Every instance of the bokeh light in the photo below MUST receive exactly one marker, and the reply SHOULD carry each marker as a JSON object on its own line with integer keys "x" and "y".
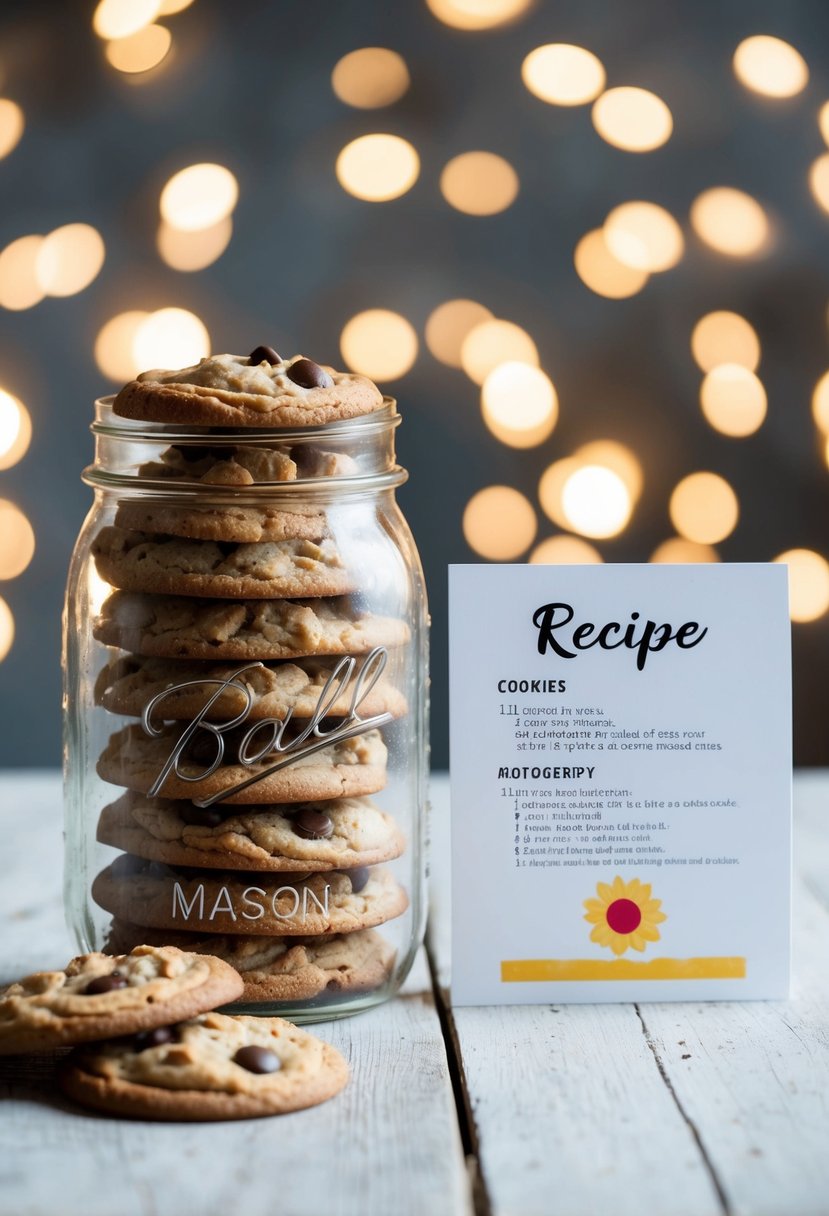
{"x": 379, "y": 343}
{"x": 601, "y": 270}
{"x": 141, "y": 51}
{"x": 15, "y": 430}
{"x": 596, "y": 501}
{"x": 733, "y": 400}
{"x": 704, "y": 508}
{"x": 808, "y": 583}
{"x": 562, "y": 74}
{"x": 69, "y": 259}
{"x": 170, "y": 338}
{"x": 115, "y": 345}
{"x": 6, "y": 629}
{"x": 610, "y": 454}
{"x": 519, "y": 404}
{"x": 823, "y": 121}
{"x": 632, "y": 119}
{"x": 194, "y": 250}
{"x": 477, "y": 14}
{"x": 770, "y": 66}
{"x": 820, "y": 403}
{"x": 377, "y": 168}
{"x": 565, "y": 551}
{"x": 479, "y": 183}
{"x": 819, "y": 180}
{"x": 449, "y": 324}
{"x": 730, "y": 221}
{"x": 677, "y": 551}
{"x": 120, "y": 18}
{"x": 17, "y": 540}
{"x": 644, "y": 236}
{"x": 725, "y": 337}
{"x": 199, "y": 196}
{"x": 499, "y": 523}
{"x": 494, "y": 342}
{"x": 370, "y": 77}
{"x": 19, "y": 284}
{"x": 551, "y": 489}
{"x": 12, "y": 124}
{"x": 168, "y": 7}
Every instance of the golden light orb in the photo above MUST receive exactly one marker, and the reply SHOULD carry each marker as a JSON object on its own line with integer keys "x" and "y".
{"x": 120, "y": 18}
{"x": 479, "y": 183}
{"x": 377, "y": 168}
{"x": 141, "y": 51}
{"x": 808, "y": 583}
{"x": 379, "y": 343}
{"x": 678, "y": 552}
{"x": 562, "y": 74}
{"x": 493, "y": 342}
{"x": 169, "y": 7}
{"x": 17, "y": 540}
{"x": 644, "y": 236}
{"x": 519, "y": 404}
{"x": 770, "y": 66}
{"x": 725, "y": 337}
{"x": 449, "y": 324}
{"x": 199, "y": 196}
{"x": 634, "y": 120}
{"x": 69, "y": 259}
{"x": 6, "y": 629}
{"x": 370, "y": 77}
{"x": 551, "y": 489}
{"x": 611, "y": 454}
{"x": 823, "y": 120}
{"x": 499, "y": 523}
{"x": 170, "y": 338}
{"x": 12, "y": 124}
{"x": 731, "y": 222}
{"x": 565, "y": 551}
{"x": 19, "y": 284}
{"x": 15, "y": 430}
{"x": 819, "y": 180}
{"x": 820, "y": 403}
{"x": 596, "y": 502}
{"x": 115, "y": 345}
{"x": 704, "y": 508}
{"x": 601, "y": 270}
{"x": 189, "y": 251}
{"x": 733, "y": 400}
{"x": 478, "y": 14}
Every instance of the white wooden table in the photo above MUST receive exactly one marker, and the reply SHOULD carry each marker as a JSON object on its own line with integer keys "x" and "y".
{"x": 661, "y": 1110}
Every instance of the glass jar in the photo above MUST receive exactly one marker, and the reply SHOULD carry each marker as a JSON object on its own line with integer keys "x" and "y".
{"x": 245, "y": 707}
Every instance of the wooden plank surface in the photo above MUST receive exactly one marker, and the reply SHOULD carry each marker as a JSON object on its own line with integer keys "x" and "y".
{"x": 389, "y": 1144}
{"x": 673, "y": 1108}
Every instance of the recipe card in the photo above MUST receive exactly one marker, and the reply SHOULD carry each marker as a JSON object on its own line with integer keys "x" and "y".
{"x": 621, "y": 782}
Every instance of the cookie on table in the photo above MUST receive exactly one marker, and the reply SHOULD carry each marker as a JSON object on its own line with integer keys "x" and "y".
{"x": 179, "y": 627}
{"x": 258, "y": 390}
{"x": 209, "y": 1067}
{"x": 164, "y": 565}
{"x": 239, "y": 465}
{"x": 283, "y": 968}
{"x": 205, "y": 901}
{"x": 98, "y": 996}
{"x": 126, "y": 684}
{"x": 349, "y": 768}
{"x": 339, "y": 834}
{"x": 229, "y": 522}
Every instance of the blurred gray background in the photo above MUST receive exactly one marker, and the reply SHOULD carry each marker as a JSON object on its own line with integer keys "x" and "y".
{"x": 249, "y": 86}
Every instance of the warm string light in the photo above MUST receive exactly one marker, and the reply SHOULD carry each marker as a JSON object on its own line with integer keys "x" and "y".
{"x": 704, "y": 508}
{"x": 6, "y": 629}
{"x": 678, "y": 551}
{"x": 494, "y": 342}
{"x": 731, "y": 222}
{"x": 17, "y": 541}
{"x": 370, "y": 78}
{"x": 378, "y": 168}
{"x": 60, "y": 264}
{"x": 499, "y": 523}
{"x": 733, "y": 400}
{"x": 808, "y": 583}
{"x": 519, "y": 404}
{"x": 479, "y": 183}
{"x": 819, "y": 181}
{"x": 198, "y": 196}
{"x": 565, "y": 551}
{"x": 594, "y": 491}
{"x": 601, "y": 271}
{"x": 632, "y": 119}
{"x": 379, "y": 343}
{"x": 15, "y": 430}
{"x": 136, "y": 341}
{"x": 141, "y": 51}
{"x": 562, "y": 74}
{"x": 725, "y": 337}
{"x": 190, "y": 251}
{"x": 644, "y": 236}
{"x": 448, "y": 326}
{"x": 121, "y": 18}
{"x": 770, "y": 66}
{"x": 478, "y": 14}
{"x": 12, "y": 124}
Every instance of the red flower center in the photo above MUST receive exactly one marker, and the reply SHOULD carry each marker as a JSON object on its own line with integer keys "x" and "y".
{"x": 624, "y": 916}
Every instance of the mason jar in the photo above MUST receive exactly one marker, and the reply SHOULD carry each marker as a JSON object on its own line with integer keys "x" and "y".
{"x": 245, "y": 707}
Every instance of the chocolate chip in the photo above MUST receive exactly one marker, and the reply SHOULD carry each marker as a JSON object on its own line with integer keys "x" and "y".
{"x": 257, "y": 1059}
{"x": 202, "y": 816}
{"x": 359, "y": 877}
{"x": 313, "y": 825}
{"x": 155, "y": 1037}
{"x": 264, "y": 354}
{"x": 308, "y": 374}
{"x": 105, "y": 983}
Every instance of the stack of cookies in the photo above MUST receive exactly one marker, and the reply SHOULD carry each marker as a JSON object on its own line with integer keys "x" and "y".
{"x": 257, "y": 689}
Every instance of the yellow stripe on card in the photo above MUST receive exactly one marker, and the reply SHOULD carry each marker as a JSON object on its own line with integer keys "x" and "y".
{"x": 556, "y": 970}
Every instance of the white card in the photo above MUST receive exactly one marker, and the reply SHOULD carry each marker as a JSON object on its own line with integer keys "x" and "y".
{"x": 621, "y": 782}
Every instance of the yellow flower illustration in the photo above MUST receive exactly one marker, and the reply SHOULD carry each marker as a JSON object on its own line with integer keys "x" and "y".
{"x": 624, "y": 916}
